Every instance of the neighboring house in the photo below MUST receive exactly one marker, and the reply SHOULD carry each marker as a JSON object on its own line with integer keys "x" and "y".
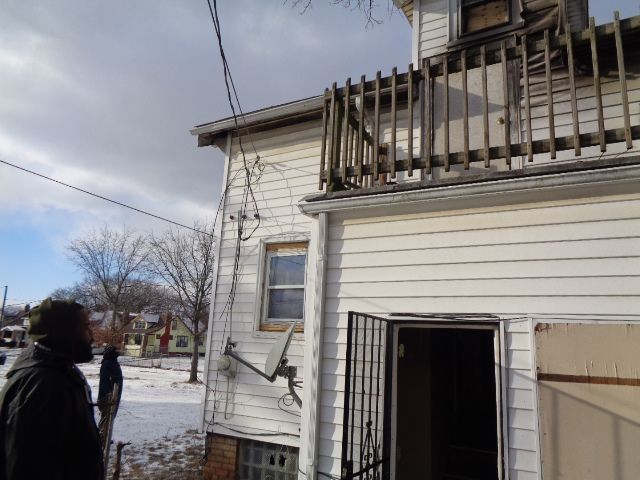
{"x": 16, "y": 335}
{"x": 103, "y": 319}
{"x": 499, "y": 181}
{"x": 135, "y": 333}
{"x": 174, "y": 337}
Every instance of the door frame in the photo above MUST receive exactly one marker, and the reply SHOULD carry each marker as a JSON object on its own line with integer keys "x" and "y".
{"x": 500, "y": 376}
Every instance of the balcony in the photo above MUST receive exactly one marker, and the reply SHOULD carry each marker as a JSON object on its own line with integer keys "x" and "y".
{"x": 522, "y": 104}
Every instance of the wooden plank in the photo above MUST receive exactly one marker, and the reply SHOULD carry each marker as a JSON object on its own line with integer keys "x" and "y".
{"x": 596, "y": 82}
{"x": 421, "y": 121}
{"x": 410, "y": 120}
{"x": 527, "y": 99}
{"x": 623, "y": 80}
{"x": 323, "y": 146}
{"x": 539, "y": 147}
{"x": 345, "y": 133}
{"x": 394, "y": 114}
{"x": 506, "y": 100}
{"x": 549, "y": 82}
{"x": 572, "y": 89}
{"x": 376, "y": 129}
{"x": 485, "y": 107}
{"x": 361, "y": 144}
{"x": 465, "y": 108}
{"x": 445, "y": 78}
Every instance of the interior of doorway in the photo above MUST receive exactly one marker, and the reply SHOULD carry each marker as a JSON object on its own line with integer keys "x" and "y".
{"x": 446, "y": 407}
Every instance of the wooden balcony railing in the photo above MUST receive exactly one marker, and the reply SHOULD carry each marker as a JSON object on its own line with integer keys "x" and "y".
{"x": 359, "y": 151}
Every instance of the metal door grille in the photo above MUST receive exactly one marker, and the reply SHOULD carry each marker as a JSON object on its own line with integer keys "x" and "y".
{"x": 365, "y": 442}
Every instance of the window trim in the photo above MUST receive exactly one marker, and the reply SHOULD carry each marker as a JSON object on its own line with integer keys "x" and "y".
{"x": 179, "y": 337}
{"x": 270, "y": 329}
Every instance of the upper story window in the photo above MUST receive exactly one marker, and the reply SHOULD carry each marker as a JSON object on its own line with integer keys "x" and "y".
{"x": 471, "y": 19}
{"x": 283, "y": 283}
{"x": 174, "y": 325}
{"x": 478, "y": 15}
{"x": 139, "y": 324}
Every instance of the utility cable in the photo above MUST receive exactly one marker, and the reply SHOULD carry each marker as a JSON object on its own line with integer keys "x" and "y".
{"x": 101, "y": 197}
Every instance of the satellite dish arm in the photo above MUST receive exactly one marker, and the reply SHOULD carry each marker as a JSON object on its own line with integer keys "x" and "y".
{"x": 229, "y": 351}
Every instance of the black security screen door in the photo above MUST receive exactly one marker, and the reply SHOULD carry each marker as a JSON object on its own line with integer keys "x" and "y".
{"x": 366, "y": 421}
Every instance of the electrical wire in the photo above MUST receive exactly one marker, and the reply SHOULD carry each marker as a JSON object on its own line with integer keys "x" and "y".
{"x": 107, "y": 199}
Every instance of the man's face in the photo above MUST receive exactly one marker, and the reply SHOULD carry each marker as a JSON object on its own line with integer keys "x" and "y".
{"x": 83, "y": 338}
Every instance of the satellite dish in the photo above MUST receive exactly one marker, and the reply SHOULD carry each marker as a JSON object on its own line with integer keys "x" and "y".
{"x": 277, "y": 353}
{"x": 276, "y": 364}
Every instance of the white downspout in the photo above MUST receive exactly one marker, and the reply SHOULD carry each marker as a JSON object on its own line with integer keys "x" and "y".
{"x": 217, "y": 232}
{"x": 312, "y": 389}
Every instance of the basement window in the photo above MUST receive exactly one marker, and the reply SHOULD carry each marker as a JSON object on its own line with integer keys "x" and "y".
{"x": 284, "y": 268}
{"x": 259, "y": 461}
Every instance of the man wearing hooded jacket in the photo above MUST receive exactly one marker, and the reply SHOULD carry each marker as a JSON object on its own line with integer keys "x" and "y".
{"x": 47, "y": 427}
{"x": 110, "y": 376}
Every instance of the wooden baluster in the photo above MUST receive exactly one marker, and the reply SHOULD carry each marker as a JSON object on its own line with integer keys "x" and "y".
{"x": 465, "y": 107}
{"x": 345, "y": 134}
{"x": 506, "y": 100}
{"x": 335, "y": 137}
{"x": 445, "y": 78}
{"x": 410, "y": 122}
{"x": 352, "y": 134}
{"x": 485, "y": 107}
{"x": 368, "y": 162}
{"x": 622, "y": 75}
{"x": 361, "y": 144}
{"x": 549, "y": 81}
{"x": 375, "y": 158}
{"x": 428, "y": 111}
{"x": 596, "y": 83}
{"x": 323, "y": 145}
{"x": 572, "y": 90}
{"x": 356, "y": 134}
{"x": 527, "y": 99}
{"x": 391, "y": 155}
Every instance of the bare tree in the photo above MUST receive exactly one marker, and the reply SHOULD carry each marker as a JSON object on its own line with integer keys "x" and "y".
{"x": 113, "y": 263}
{"x": 369, "y": 8}
{"x": 184, "y": 261}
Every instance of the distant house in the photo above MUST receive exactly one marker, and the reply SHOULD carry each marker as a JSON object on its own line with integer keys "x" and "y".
{"x": 135, "y": 333}
{"x": 175, "y": 337}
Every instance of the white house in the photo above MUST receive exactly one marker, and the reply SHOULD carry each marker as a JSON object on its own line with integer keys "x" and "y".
{"x": 460, "y": 245}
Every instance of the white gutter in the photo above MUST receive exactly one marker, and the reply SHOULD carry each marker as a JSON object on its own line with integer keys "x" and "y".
{"x": 259, "y": 116}
{"x": 473, "y": 192}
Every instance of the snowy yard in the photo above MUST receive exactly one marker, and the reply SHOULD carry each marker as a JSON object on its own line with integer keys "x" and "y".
{"x": 159, "y": 415}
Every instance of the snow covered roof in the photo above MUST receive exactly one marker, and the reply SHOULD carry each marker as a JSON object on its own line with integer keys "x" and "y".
{"x": 13, "y": 328}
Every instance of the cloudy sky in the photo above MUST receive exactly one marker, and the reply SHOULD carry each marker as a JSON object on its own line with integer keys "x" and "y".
{"x": 102, "y": 94}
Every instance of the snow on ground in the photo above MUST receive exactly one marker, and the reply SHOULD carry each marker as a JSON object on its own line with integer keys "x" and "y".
{"x": 159, "y": 414}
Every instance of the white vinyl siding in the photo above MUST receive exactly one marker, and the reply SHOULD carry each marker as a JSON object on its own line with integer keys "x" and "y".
{"x": 291, "y": 159}
{"x": 565, "y": 257}
{"x": 433, "y": 32}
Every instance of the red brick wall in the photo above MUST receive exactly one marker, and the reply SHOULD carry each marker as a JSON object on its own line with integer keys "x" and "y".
{"x": 222, "y": 456}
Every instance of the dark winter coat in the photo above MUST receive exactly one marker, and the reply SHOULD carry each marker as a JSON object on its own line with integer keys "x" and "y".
{"x": 47, "y": 428}
{"x": 110, "y": 375}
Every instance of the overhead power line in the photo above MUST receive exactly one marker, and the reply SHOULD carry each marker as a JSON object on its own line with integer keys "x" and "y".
{"x": 101, "y": 197}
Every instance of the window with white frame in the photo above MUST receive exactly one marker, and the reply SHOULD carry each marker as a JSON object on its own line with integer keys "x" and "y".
{"x": 283, "y": 285}
{"x": 182, "y": 341}
{"x": 140, "y": 325}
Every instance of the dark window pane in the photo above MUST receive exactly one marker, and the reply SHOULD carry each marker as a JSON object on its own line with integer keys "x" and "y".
{"x": 286, "y": 303}
{"x": 287, "y": 270}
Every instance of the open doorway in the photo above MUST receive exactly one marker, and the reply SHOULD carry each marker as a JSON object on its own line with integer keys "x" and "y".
{"x": 447, "y": 422}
